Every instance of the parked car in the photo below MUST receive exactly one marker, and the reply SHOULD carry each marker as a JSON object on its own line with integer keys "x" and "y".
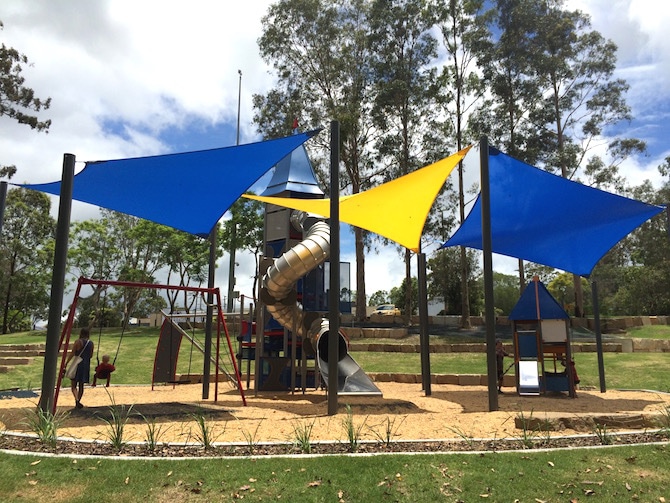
{"x": 387, "y": 310}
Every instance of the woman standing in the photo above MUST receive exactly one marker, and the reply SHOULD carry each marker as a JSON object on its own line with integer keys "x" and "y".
{"x": 82, "y": 347}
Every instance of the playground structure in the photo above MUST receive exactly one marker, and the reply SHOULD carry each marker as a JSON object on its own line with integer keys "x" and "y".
{"x": 311, "y": 329}
{"x": 170, "y": 337}
{"x": 291, "y": 348}
{"x": 543, "y": 356}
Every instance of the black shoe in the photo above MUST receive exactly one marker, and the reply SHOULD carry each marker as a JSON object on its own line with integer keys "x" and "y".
{"x": 78, "y": 405}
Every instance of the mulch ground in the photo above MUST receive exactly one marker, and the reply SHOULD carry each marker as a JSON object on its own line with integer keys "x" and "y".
{"x": 453, "y": 418}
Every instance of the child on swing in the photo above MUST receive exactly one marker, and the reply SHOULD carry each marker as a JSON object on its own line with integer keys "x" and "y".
{"x": 103, "y": 370}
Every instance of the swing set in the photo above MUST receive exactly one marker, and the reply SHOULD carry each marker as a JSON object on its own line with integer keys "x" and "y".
{"x": 64, "y": 342}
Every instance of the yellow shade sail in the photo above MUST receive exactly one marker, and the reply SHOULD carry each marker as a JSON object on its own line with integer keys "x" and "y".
{"x": 396, "y": 210}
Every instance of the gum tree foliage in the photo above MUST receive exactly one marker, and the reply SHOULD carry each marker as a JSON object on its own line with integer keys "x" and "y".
{"x": 554, "y": 85}
{"x": 247, "y": 218}
{"x": 406, "y": 91}
{"x": 26, "y": 250}
{"x": 18, "y": 101}
{"x": 398, "y": 294}
{"x": 506, "y": 61}
{"x": 321, "y": 58}
{"x": 378, "y": 298}
{"x": 120, "y": 247}
{"x": 444, "y": 279}
{"x": 186, "y": 259}
{"x": 462, "y": 25}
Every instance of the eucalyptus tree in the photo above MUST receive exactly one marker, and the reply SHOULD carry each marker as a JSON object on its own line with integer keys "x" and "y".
{"x": 444, "y": 279}
{"x": 574, "y": 68}
{"x": 463, "y": 27}
{"x": 119, "y": 247}
{"x": 506, "y": 59}
{"x": 26, "y": 250}
{"x": 406, "y": 92}
{"x": 186, "y": 257}
{"x": 244, "y": 231}
{"x": 320, "y": 54}
{"x": 18, "y": 101}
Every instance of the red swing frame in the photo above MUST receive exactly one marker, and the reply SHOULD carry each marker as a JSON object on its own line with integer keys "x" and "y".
{"x": 64, "y": 342}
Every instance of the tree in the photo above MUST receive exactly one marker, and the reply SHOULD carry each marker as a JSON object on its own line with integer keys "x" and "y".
{"x": 26, "y": 250}
{"x": 506, "y": 60}
{"x": 378, "y": 298}
{"x": 399, "y": 294}
{"x": 17, "y": 101}
{"x": 574, "y": 67}
{"x": 120, "y": 247}
{"x": 322, "y": 60}
{"x": 244, "y": 231}
{"x": 462, "y": 24}
{"x": 444, "y": 279}
{"x": 505, "y": 293}
{"x": 405, "y": 91}
{"x": 187, "y": 257}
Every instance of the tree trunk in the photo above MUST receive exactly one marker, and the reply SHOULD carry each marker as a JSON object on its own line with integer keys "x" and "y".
{"x": 361, "y": 311}
{"x": 522, "y": 277}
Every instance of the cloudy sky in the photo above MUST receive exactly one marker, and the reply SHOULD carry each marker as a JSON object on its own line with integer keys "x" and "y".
{"x": 134, "y": 78}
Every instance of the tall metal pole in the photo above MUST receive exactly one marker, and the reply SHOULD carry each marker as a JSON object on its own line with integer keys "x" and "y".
{"x": 233, "y": 235}
{"x": 489, "y": 312}
{"x": 423, "y": 323}
{"x": 206, "y": 366}
{"x": 57, "y": 286}
{"x": 599, "y": 335}
{"x": 334, "y": 294}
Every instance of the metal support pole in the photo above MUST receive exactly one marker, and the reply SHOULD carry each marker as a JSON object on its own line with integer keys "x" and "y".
{"x": 599, "y": 336}
{"x": 57, "y": 286}
{"x": 206, "y": 369}
{"x": 334, "y": 294}
{"x": 489, "y": 312}
{"x": 423, "y": 324}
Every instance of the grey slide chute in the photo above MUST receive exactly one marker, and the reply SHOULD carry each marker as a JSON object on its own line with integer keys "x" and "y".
{"x": 278, "y": 283}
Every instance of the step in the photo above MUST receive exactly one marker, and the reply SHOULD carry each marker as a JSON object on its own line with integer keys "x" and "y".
{"x": 20, "y": 353}
{"x": 15, "y": 361}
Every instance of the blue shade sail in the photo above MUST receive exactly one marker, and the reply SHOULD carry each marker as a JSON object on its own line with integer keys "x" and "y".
{"x": 548, "y": 219}
{"x": 187, "y": 191}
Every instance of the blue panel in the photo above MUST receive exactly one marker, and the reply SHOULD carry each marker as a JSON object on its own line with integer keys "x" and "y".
{"x": 527, "y": 345}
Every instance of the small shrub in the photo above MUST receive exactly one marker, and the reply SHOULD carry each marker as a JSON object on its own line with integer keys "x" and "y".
{"x": 153, "y": 433}
{"x": 601, "y": 432}
{"x": 352, "y": 431}
{"x": 204, "y": 433}
{"x": 302, "y": 436}
{"x": 45, "y": 424}
{"x": 251, "y": 438}
{"x": 387, "y": 430}
{"x": 116, "y": 424}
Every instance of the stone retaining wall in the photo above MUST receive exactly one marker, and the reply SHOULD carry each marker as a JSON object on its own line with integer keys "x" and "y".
{"x": 456, "y": 379}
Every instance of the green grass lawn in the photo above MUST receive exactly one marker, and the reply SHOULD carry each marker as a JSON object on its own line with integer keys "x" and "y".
{"x": 601, "y": 475}
{"x": 649, "y": 332}
{"x": 138, "y": 346}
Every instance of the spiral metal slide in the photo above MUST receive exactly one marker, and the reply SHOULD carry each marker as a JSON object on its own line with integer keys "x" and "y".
{"x": 278, "y": 284}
